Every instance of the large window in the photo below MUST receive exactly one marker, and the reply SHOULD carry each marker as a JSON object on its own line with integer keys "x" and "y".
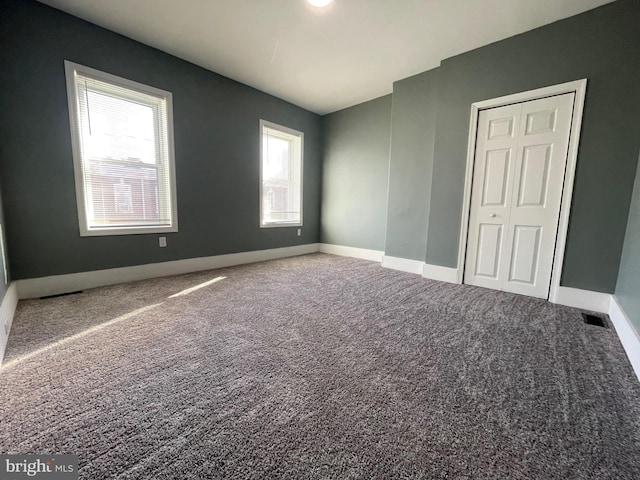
{"x": 122, "y": 134}
{"x": 280, "y": 175}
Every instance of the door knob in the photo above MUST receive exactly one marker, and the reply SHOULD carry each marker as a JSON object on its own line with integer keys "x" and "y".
{"x": 492, "y": 215}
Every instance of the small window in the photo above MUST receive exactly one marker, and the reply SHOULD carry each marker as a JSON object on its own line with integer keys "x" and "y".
{"x": 280, "y": 176}
{"x": 122, "y": 135}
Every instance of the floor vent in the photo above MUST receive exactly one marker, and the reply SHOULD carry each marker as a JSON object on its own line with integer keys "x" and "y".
{"x": 61, "y": 295}
{"x": 594, "y": 320}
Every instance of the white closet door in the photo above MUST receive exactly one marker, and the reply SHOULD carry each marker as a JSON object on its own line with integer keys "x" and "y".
{"x": 491, "y": 195}
{"x": 521, "y": 153}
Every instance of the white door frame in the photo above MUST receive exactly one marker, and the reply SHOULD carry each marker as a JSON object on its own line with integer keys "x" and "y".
{"x": 579, "y": 87}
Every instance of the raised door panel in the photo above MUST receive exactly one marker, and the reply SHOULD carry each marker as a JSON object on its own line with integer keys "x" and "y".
{"x": 489, "y": 247}
{"x": 496, "y": 177}
{"x": 524, "y": 254}
{"x": 502, "y": 127}
{"x": 534, "y": 178}
{"x": 541, "y": 120}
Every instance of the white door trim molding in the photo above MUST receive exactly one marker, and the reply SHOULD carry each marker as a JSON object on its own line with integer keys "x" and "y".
{"x": 579, "y": 88}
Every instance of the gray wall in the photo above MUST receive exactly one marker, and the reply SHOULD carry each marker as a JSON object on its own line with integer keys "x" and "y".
{"x": 413, "y": 128}
{"x": 628, "y": 288}
{"x": 216, "y": 123}
{"x": 429, "y": 135}
{"x": 600, "y": 45}
{"x": 216, "y": 130}
{"x": 356, "y": 169}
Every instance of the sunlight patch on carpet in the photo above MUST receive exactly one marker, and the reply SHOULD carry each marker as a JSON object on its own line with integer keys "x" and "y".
{"x": 197, "y": 287}
{"x": 78, "y": 336}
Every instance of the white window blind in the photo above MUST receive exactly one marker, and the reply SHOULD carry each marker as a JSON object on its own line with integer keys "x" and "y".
{"x": 281, "y": 175}
{"x": 123, "y": 154}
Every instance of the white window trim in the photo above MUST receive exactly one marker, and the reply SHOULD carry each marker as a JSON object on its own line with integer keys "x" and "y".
{"x": 4, "y": 257}
{"x": 70, "y": 70}
{"x": 297, "y": 133}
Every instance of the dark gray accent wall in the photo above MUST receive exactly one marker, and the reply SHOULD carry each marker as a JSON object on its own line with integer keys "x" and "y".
{"x": 216, "y": 125}
{"x": 628, "y": 287}
{"x": 413, "y": 130}
{"x": 356, "y": 168}
{"x": 600, "y": 45}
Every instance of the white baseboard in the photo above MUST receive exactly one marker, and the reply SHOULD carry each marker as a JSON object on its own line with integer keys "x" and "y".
{"x": 57, "y": 284}
{"x": 7, "y": 310}
{"x": 606, "y": 303}
{"x": 442, "y": 274}
{"x": 53, "y": 285}
{"x": 627, "y": 333}
{"x": 402, "y": 264}
{"x": 433, "y": 272}
{"x": 584, "y": 299}
{"x": 363, "y": 253}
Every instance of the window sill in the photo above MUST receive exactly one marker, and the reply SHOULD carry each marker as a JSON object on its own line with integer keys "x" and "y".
{"x": 276, "y": 225}
{"x": 127, "y": 231}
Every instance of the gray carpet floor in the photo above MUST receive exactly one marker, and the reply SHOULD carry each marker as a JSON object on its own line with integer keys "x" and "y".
{"x": 318, "y": 367}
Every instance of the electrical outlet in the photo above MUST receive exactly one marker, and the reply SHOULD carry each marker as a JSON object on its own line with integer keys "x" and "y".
{"x": 299, "y": 231}
{"x": 162, "y": 241}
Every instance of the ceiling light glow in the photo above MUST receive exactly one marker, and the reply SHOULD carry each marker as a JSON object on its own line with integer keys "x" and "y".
{"x": 319, "y": 3}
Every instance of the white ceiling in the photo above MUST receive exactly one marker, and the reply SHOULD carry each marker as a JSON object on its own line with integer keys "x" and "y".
{"x": 322, "y": 60}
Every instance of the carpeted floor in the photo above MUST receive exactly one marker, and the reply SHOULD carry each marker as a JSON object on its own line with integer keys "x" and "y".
{"x": 318, "y": 367}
